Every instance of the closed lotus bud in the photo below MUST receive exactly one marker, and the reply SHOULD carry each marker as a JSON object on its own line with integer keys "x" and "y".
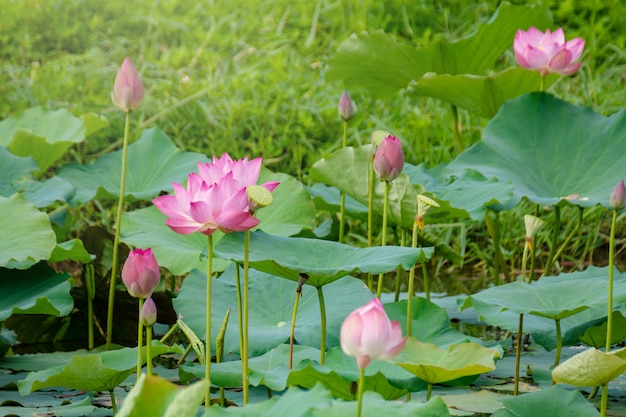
{"x": 618, "y": 196}
{"x": 128, "y": 88}
{"x": 368, "y": 334}
{"x": 346, "y": 107}
{"x": 389, "y": 159}
{"x": 141, "y": 273}
{"x": 148, "y": 314}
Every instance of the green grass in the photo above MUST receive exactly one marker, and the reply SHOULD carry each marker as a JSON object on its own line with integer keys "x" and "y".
{"x": 247, "y": 77}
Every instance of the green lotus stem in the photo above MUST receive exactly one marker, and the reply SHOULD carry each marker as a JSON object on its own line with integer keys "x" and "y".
{"x": 184, "y": 355}
{"x": 342, "y": 206}
{"x": 383, "y": 242}
{"x": 593, "y": 393}
{"x": 246, "y": 268}
{"x": 518, "y": 353}
{"x": 359, "y": 397}
{"x": 429, "y": 391}
{"x": 542, "y": 83}
{"x": 116, "y": 238}
{"x": 609, "y": 317}
{"x": 320, "y": 297}
{"x": 240, "y": 324}
{"x": 401, "y": 271}
{"x": 370, "y": 214}
{"x": 555, "y": 235}
{"x": 207, "y": 351}
{"x": 90, "y": 285}
{"x": 604, "y": 400}
{"x": 169, "y": 333}
{"x": 457, "y": 129}
{"x": 531, "y": 275}
{"x": 524, "y": 260}
{"x": 113, "y": 402}
{"x": 559, "y": 342}
{"x": 139, "y": 338}
{"x": 409, "y": 304}
{"x": 219, "y": 350}
{"x": 292, "y": 331}
{"x": 494, "y": 229}
{"x": 149, "y": 350}
{"x": 574, "y": 232}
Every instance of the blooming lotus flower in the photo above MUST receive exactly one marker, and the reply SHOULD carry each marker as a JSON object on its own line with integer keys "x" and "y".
{"x": 368, "y": 334}
{"x": 243, "y": 171}
{"x": 618, "y": 196}
{"x": 141, "y": 273}
{"x": 128, "y": 89}
{"x": 547, "y": 52}
{"x": 346, "y": 107}
{"x": 205, "y": 208}
{"x": 148, "y": 314}
{"x": 389, "y": 159}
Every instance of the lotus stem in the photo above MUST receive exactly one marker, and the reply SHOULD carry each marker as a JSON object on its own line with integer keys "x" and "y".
{"x": 90, "y": 285}
{"x": 219, "y": 351}
{"x": 149, "y": 350}
{"x": 292, "y": 332}
{"x": 609, "y": 318}
{"x": 246, "y": 298}
{"x": 116, "y": 238}
{"x": 401, "y": 271}
{"x": 320, "y": 297}
{"x": 542, "y": 84}
{"x": 604, "y": 400}
{"x": 113, "y": 402}
{"x": 359, "y": 398}
{"x": 139, "y": 338}
{"x": 207, "y": 351}
{"x": 370, "y": 214}
{"x": 383, "y": 242}
{"x": 169, "y": 333}
{"x": 429, "y": 391}
{"x": 457, "y": 129}
{"x": 494, "y": 229}
{"x": 518, "y": 352}
{"x": 559, "y": 342}
{"x": 572, "y": 234}
{"x": 555, "y": 235}
{"x": 409, "y": 304}
{"x": 342, "y": 206}
{"x": 240, "y": 324}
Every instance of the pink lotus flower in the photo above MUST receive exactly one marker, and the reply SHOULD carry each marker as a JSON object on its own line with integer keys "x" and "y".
{"x": 346, "y": 107}
{"x": 368, "y": 334}
{"x": 205, "y": 208}
{"x": 148, "y": 314}
{"x": 244, "y": 172}
{"x": 389, "y": 159}
{"x": 128, "y": 89}
{"x": 547, "y": 52}
{"x": 141, "y": 273}
{"x": 618, "y": 196}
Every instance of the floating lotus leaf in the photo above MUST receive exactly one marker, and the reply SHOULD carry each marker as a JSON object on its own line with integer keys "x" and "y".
{"x": 551, "y": 151}
{"x": 156, "y": 397}
{"x": 591, "y": 368}
{"x": 553, "y": 402}
{"x": 434, "y": 365}
{"x": 324, "y": 261}
{"x": 73, "y": 250}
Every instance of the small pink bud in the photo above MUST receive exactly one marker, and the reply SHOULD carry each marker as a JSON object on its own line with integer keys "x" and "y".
{"x": 618, "y": 196}
{"x": 128, "y": 89}
{"x": 389, "y": 159}
{"x": 346, "y": 107}
{"x": 141, "y": 273}
{"x": 368, "y": 334}
{"x": 148, "y": 313}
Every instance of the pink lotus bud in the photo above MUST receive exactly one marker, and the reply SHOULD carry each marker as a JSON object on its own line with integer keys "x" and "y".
{"x": 618, "y": 196}
{"x": 148, "y": 312}
{"x": 389, "y": 159}
{"x": 368, "y": 334}
{"x": 128, "y": 88}
{"x": 547, "y": 52}
{"x": 346, "y": 107}
{"x": 141, "y": 273}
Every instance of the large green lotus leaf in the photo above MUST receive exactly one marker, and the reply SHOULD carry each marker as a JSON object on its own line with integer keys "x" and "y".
{"x": 375, "y": 406}
{"x": 291, "y": 211}
{"x": 50, "y": 405}
{"x": 156, "y": 397}
{"x": 595, "y": 336}
{"x": 482, "y": 95}
{"x": 430, "y": 323}
{"x": 27, "y": 236}
{"x": 324, "y": 261}
{"x": 31, "y": 362}
{"x": 555, "y": 297}
{"x": 153, "y": 164}
{"x": 553, "y": 402}
{"x": 73, "y": 250}
{"x": 591, "y": 368}
{"x": 347, "y": 169}
{"x": 179, "y": 253}
{"x": 43, "y": 134}
{"x": 329, "y": 198}
{"x": 92, "y": 372}
{"x": 551, "y": 151}
{"x": 270, "y": 309}
{"x": 37, "y": 290}
{"x": 15, "y": 169}
{"x": 434, "y": 365}
{"x": 386, "y": 66}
